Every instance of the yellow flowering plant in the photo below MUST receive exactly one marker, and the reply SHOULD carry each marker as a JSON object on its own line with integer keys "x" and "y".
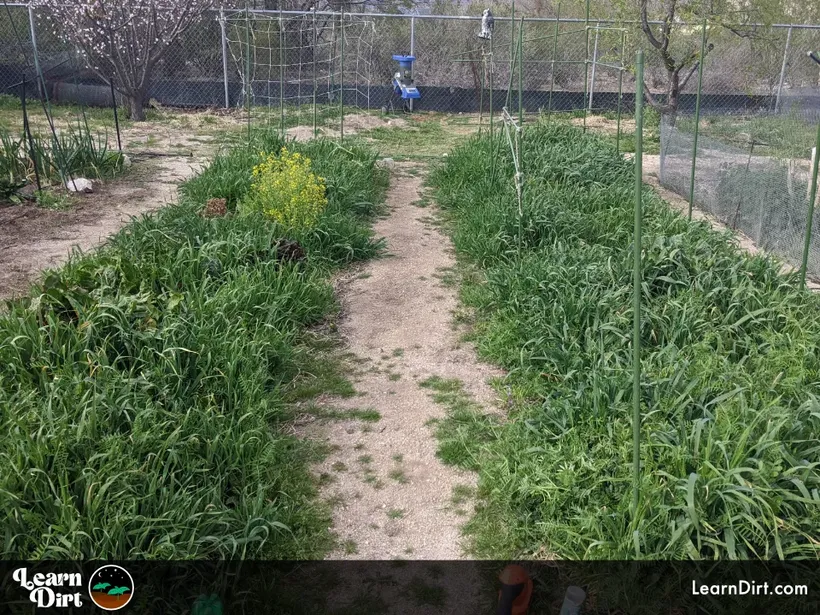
{"x": 286, "y": 190}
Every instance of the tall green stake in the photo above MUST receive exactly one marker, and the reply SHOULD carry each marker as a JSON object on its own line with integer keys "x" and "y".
{"x": 586, "y": 64}
{"x": 554, "y": 53}
{"x": 248, "y": 84}
{"x": 636, "y": 289}
{"x": 810, "y": 214}
{"x": 697, "y": 120}
{"x": 342, "y": 75}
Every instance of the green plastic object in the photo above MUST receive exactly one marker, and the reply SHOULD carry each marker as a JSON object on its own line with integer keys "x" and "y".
{"x": 207, "y": 605}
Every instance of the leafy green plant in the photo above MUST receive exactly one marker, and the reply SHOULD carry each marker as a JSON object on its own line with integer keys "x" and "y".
{"x": 730, "y": 367}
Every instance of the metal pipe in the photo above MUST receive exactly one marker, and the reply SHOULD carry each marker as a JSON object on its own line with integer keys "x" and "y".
{"x": 248, "y": 84}
{"x": 281, "y": 76}
{"x": 521, "y": 77}
{"x": 222, "y": 28}
{"x": 586, "y": 63}
{"x": 554, "y": 53}
{"x": 594, "y": 60}
{"x": 783, "y": 71}
{"x": 492, "y": 85}
{"x": 620, "y": 93}
{"x": 697, "y": 119}
{"x": 412, "y": 45}
{"x": 342, "y": 75}
{"x": 636, "y": 289}
{"x": 315, "y": 85}
{"x": 810, "y": 214}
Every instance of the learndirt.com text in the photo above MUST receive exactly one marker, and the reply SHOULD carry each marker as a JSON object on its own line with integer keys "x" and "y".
{"x": 748, "y": 588}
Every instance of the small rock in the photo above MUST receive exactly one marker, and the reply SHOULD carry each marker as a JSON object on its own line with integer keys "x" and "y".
{"x": 80, "y": 184}
{"x": 387, "y": 162}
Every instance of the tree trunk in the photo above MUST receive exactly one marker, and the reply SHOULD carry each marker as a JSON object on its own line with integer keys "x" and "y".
{"x": 136, "y": 106}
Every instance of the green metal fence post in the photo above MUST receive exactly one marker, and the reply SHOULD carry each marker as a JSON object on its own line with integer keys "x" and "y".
{"x": 810, "y": 214}
{"x": 342, "y": 74}
{"x": 636, "y": 317}
{"x": 586, "y": 64}
{"x": 554, "y": 53}
{"x": 697, "y": 120}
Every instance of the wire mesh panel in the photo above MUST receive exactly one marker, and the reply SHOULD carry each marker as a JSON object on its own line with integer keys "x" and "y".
{"x": 294, "y": 69}
{"x": 755, "y": 139}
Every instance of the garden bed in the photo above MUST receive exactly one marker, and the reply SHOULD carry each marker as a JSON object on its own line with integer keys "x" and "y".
{"x": 730, "y": 367}
{"x": 144, "y": 387}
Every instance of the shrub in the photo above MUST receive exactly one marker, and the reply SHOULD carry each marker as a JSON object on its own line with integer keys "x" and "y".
{"x": 286, "y": 190}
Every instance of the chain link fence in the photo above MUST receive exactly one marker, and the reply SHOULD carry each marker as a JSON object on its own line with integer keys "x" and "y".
{"x": 759, "y": 104}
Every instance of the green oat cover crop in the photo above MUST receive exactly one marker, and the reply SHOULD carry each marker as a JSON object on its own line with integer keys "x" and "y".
{"x": 730, "y": 366}
{"x": 142, "y": 387}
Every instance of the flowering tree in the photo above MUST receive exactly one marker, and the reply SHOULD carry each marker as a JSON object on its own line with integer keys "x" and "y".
{"x": 122, "y": 40}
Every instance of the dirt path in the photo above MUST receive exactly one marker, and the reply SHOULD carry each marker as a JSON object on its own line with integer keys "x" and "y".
{"x": 394, "y": 498}
{"x": 34, "y": 238}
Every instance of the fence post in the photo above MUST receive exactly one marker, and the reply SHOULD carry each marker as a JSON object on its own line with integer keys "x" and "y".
{"x": 636, "y": 289}
{"x": 248, "y": 84}
{"x": 315, "y": 84}
{"x": 620, "y": 92}
{"x": 783, "y": 71}
{"x": 810, "y": 214}
{"x": 554, "y": 53}
{"x": 281, "y": 74}
{"x": 224, "y": 35}
{"x": 697, "y": 120}
{"x": 594, "y": 60}
{"x": 412, "y": 45}
{"x": 586, "y": 63}
{"x": 521, "y": 76}
{"x": 342, "y": 74}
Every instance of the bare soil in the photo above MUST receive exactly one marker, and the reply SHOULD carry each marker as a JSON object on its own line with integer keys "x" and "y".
{"x": 35, "y": 239}
{"x": 393, "y": 496}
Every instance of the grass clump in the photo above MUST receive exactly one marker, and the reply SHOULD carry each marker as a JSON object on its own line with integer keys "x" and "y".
{"x": 731, "y": 367}
{"x": 142, "y": 387}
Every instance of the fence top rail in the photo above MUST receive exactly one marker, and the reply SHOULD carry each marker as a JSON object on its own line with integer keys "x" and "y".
{"x": 603, "y": 21}
{"x": 229, "y": 11}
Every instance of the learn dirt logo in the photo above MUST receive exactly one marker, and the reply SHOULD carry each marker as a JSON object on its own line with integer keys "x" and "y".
{"x": 111, "y": 587}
